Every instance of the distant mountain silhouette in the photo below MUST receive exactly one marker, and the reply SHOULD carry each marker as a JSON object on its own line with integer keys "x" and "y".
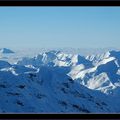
{"x": 5, "y": 50}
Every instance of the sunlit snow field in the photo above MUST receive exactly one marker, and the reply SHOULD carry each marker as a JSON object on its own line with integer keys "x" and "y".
{"x": 66, "y": 80}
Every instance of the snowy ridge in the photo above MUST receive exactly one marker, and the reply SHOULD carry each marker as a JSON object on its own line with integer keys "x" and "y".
{"x": 82, "y": 68}
{"x": 65, "y": 82}
{"x": 47, "y": 86}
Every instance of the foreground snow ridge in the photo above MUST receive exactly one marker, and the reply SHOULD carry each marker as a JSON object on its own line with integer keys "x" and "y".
{"x": 55, "y": 81}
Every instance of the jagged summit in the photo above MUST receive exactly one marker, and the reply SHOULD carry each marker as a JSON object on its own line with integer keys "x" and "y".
{"x": 5, "y": 50}
{"x": 67, "y": 82}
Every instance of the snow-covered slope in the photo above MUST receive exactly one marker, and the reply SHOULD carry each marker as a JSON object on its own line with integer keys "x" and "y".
{"x": 47, "y": 90}
{"x": 103, "y": 70}
{"x": 103, "y": 76}
{"x": 54, "y": 81}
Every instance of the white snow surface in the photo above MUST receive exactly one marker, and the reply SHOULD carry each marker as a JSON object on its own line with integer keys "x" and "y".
{"x": 66, "y": 82}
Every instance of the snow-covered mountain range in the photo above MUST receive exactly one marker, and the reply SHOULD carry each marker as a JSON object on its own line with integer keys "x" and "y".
{"x": 55, "y": 81}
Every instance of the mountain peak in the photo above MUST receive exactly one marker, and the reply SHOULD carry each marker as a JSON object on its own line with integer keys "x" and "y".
{"x": 6, "y": 50}
{"x": 113, "y": 53}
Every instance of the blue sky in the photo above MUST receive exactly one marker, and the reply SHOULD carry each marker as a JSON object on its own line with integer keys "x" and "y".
{"x": 77, "y": 27}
